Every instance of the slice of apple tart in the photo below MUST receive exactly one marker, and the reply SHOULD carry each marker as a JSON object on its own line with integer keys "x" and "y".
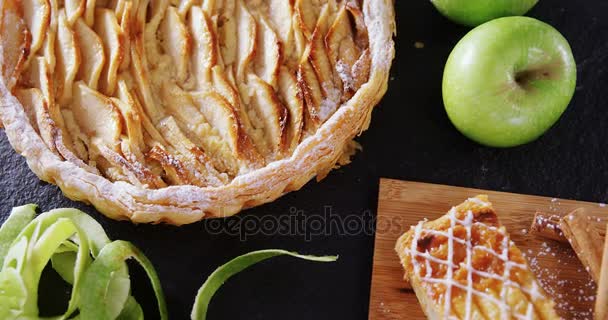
{"x": 173, "y": 111}
{"x": 464, "y": 265}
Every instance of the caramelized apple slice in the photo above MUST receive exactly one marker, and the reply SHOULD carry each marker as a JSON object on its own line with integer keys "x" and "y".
{"x": 79, "y": 141}
{"x": 16, "y": 42}
{"x": 151, "y": 133}
{"x": 91, "y": 49}
{"x": 150, "y": 18}
{"x": 176, "y": 42}
{"x": 96, "y": 114}
{"x": 108, "y": 30}
{"x": 36, "y": 108}
{"x": 175, "y": 170}
{"x": 131, "y": 118}
{"x": 201, "y": 172}
{"x": 37, "y": 14}
{"x": 222, "y": 117}
{"x": 319, "y": 59}
{"x": 37, "y": 75}
{"x": 48, "y": 45}
{"x": 246, "y": 35}
{"x": 180, "y": 105}
{"x": 89, "y": 12}
{"x": 267, "y": 55}
{"x": 226, "y": 23}
{"x": 184, "y": 6}
{"x": 342, "y": 51}
{"x": 126, "y": 20}
{"x": 307, "y": 13}
{"x": 361, "y": 36}
{"x": 269, "y": 114}
{"x": 142, "y": 81}
{"x": 290, "y": 95}
{"x": 204, "y": 51}
{"x": 134, "y": 171}
{"x": 311, "y": 92}
{"x": 73, "y": 10}
{"x": 67, "y": 60}
{"x": 361, "y": 70}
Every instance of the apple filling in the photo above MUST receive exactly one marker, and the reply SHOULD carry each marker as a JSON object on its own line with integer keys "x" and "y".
{"x": 168, "y": 92}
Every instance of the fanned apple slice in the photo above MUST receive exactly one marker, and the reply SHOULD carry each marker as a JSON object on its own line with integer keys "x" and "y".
{"x": 109, "y": 32}
{"x": 37, "y": 14}
{"x": 96, "y": 114}
{"x": 132, "y": 118}
{"x": 267, "y": 55}
{"x": 361, "y": 70}
{"x": 48, "y": 45}
{"x": 184, "y": 6}
{"x": 311, "y": 92}
{"x": 126, "y": 21}
{"x": 195, "y": 158}
{"x": 79, "y": 141}
{"x": 292, "y": 99}
{"x": 37, "y": 109}
{"x": 37, "y": 75}
{"x": 180, "y": 105}
{"x": 319, "y": 59}
{"x": 226, "y": 22}
{"x": 176, "y": 42}
{"x": 246, "y": 35}
{"x": 16, "y": 42}
{"x": 142, "y": 81}
{"x": 222, "y": 117}
{"x": 73, "y": 10}
{"x": 134, "y": 172}
{"x": 361, "y": 35}
{"x": 280, "y": 15}
{"x": 204, "y": 48}
{"x": 89, "y": 12}
{"x": 175, "y": 170}
{"x": 320, "y": 105}
{"x": 67, "y": 60}
{"x": 270, "y": 115}
{"x": 91, "y": 49}
{"x": 342, "y": 51}
{"x": 155, "y": 11}
{"x": 307, "y": 13}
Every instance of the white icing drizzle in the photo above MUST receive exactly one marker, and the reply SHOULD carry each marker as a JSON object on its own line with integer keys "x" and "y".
{"x": 468, "y": 223}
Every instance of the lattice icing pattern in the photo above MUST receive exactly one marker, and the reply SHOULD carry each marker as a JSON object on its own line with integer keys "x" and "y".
{"x": 468, "y": 268}
{"x": 197, "y": 92}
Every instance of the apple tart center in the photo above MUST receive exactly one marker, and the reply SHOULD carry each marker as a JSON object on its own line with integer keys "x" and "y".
{"x": 169, "y": 92}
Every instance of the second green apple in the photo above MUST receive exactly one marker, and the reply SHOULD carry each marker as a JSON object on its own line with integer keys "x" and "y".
{"x": 508, "y": 81}
{"x": 475, "y": 12}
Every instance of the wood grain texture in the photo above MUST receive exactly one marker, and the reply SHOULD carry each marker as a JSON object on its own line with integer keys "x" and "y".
{"x": 402, "y": 204}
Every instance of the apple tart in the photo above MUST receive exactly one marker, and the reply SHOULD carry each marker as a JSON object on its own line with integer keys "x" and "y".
{"x": 178, "y": 110}
{"x": 465, "y": 266}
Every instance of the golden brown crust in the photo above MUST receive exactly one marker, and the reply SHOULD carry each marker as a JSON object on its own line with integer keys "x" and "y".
{"x": 313, "y": 156}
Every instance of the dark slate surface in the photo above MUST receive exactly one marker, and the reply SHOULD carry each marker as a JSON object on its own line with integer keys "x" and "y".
{"x": 410, "y": 138}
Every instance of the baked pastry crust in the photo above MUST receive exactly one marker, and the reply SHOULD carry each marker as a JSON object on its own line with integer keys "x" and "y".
{"x": 175, "y": 198}
{"x": 464, "y": 266}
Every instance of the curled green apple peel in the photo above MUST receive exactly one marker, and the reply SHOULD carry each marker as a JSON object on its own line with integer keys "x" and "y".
{"x": 508, "y": 81}
{"x": 82, "y": 254}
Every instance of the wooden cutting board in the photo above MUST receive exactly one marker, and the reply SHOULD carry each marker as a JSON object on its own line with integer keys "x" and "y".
{"x": 403, "y": 203}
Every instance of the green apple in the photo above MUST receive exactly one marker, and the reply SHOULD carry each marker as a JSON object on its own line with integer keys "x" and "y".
{"x": 508, "y": 81}
{"x": 475, "y": 12}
